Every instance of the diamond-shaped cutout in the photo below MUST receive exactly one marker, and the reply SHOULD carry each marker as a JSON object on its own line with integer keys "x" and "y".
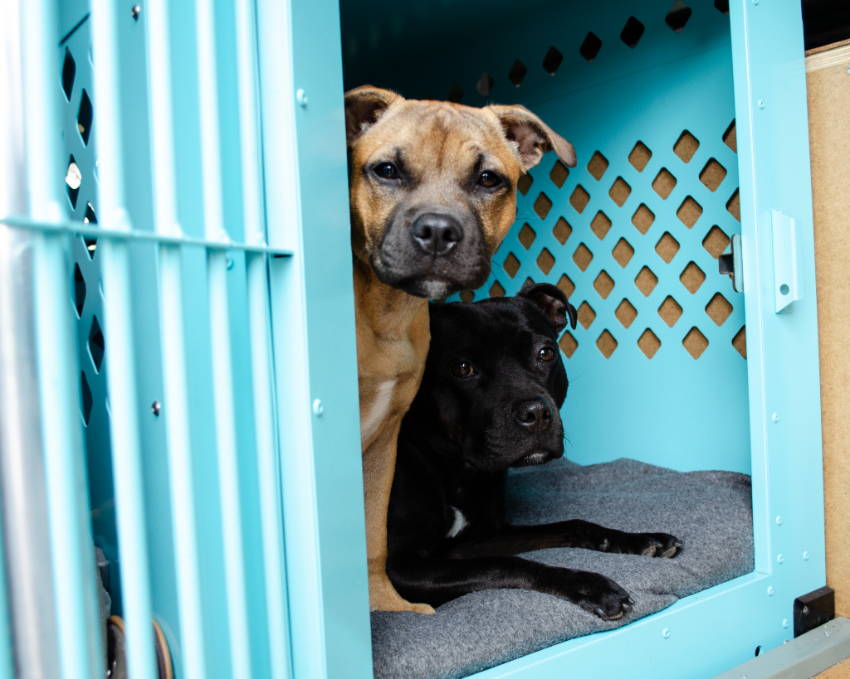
{"x": 542, "y": 205}
{"x": 739, "y": 341}
{"x": 639, "y": 156}
{"x": 667, "y": 247}
{"x": 600, "y": 225}
{"x": 692, "y": 277}
{"x": 526, "y": 236}
{"x": 559, "y": 174}
{"x": 730, "y": 137}
{"x": 511, "y": 265}
{"x": 689, "y": 212}
{"x": 734, "y": 206}
{"x": 568, "y": 344}
{"x": 649, "y": 343}
{"x": 579, "y": 198}
{"x": 646, "y": 281}
{"x": 643, "y": 218}
{"x": 84, "y": 117}
{"x": 604, "y": 284}
{"x": 586, "y": 315}
{"x": 625, "y": 313}
{"x": 620, "y": 191}
{"x": 96, "y": 344}
{"x": 718, "y": 309}
{"x": 73, "y": 181}
{"x": 467, "y": 295}
{"x": 484, "y": 85}
{"x": 524, "y": 183}
{"x": 670, "y": 311}
{"x": 715, "y": 242}
{"x": 590, "y": 46}
{"x": 69, "y": 72}
{"x": 632, "y": 32}
{"x": 582, "y": 257}
{"x": 664, "y": 183}
{"x": 623, "y": 252}
{"x": 597, "y": 165}
{"x": 545, "y": 261}
{"x": 678, "y": 15}
{"x": 712, "y": 174}
{"x": 517, "y": 73}
{"x": 566, "y": 285}
{"x": 86, "y": 400}
{"x": 686, "y": 146}
{"x": 496, "y": 290}
{"x": 552, "y": 60}
{"x": 606, "y": 344}
{"x": 695, "y": 342}
{"x": 455, "y": 93}
{"x": 79, "y": 290}
{"x": 562, "y": 230}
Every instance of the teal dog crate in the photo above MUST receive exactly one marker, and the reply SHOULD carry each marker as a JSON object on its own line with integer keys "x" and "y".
{"x": 179, "y": 441}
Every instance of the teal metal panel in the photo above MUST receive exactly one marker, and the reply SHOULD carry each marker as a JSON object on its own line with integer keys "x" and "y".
{"x": 7, "y": 642}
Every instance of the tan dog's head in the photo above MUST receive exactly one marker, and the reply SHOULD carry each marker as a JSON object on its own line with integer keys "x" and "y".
{"x": 433, "y": 185}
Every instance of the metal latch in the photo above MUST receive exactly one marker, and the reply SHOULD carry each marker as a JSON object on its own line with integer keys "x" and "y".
{"x": 731, "y": 263}
{"x": 786, "y": 286}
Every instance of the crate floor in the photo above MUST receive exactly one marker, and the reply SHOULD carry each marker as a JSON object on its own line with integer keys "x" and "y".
{"x": 709, "y": 510}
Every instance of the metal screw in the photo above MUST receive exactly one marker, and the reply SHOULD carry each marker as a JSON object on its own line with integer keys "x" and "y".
{"x": 770, "y": 590}
{"x": 805, "y": 610}
{"x": 155, "y": 408}
{"x": 778, "y": 520}
{"x": 301, "y": 97}
{"x": 785, "y": 623}
{"x": 761, "y": 103}
{"x": 665, "y": 633}
{"x": 136, "y": 11}
{"x": 805, "y": 555}
{"x": 755, "y": 2}
{"x": 774, "y": 417}
{"x": 779, "y": 558}
{"x": 318, "y": 408}
{"x": 228, "y": 262}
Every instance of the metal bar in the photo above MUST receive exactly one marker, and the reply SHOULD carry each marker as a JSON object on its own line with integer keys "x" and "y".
{"x": 70, "y": 531}
{"x": 158, "y": 37}
{"x": 79, "y": 228}
{"x": 120, "y": 349}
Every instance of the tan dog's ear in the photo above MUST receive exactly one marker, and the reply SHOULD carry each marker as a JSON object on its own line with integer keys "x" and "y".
{"x": 532, "y": 136}
{"x": 363, "y": 106}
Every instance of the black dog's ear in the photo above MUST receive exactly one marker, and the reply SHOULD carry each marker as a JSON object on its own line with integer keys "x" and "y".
{"x": 553, "y": 302}
{"x": 363, "y": 106}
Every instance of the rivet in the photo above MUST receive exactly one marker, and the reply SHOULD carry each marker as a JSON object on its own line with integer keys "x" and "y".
{"x": 318, "y": 407}
{"x": 755, "y": 2}
{"x": 770, "y": 590}
{"x": 805, "y": 555}
{"x": 155, "y": 408}
{"x": 826, "y": 632}
{"x": 805, "y": 610}
{"x": 301, "y": 97}
{"x": 229, "y": 263}
{"x": 780, "y": 558}
{"x": 785, "y": 623}
{"x": 136, "y": 11}
{"x": 665, "y": 633}
{"x": 778, "y": 520}
{"x": 774, "y": 417}
{"x": 761, "y": 103}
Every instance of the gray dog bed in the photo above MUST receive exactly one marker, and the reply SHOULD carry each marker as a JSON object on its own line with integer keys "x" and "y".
{"x": 709, "y": 510}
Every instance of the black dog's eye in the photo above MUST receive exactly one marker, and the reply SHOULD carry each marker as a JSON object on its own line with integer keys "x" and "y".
{"x": 489, "y": 179}
{"x": 463, "y": 369}
{"x": 386, "y": 171}
{"x": 546, "y": 354}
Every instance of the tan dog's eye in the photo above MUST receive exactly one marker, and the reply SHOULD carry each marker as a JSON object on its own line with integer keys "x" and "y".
{"x": 463, "y": 369}
{"x": 386, "y": 171}
{"x": 546, "y": 354}
{"x": 489, "y": 179}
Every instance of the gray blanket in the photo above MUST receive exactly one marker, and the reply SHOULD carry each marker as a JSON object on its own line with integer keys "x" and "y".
{"x": 709, "y": 510}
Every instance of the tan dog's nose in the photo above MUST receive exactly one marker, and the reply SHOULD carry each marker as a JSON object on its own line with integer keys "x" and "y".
{"x": 436, "y": 234}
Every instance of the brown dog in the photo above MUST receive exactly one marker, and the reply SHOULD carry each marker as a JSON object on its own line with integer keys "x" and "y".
{"x": 433, "y": 193}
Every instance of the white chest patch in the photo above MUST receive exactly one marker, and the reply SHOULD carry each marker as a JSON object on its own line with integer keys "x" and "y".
{"x": 458, "y": 524}
{"x": 378, "y": 411}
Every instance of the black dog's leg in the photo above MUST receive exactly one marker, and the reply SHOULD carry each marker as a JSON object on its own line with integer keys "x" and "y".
{"x": 574, "y": 533}
{"x": 436, "y": 580}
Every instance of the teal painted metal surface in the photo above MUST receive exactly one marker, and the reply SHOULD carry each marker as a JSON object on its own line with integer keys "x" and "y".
{"x": 7, "y": 660}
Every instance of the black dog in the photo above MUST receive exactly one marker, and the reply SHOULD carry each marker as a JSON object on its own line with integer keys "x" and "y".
{"x": 490, "y": 398}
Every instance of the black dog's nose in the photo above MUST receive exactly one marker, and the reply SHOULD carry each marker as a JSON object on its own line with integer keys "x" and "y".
{"x": 436, "y": 234}
{"x": 533, "y": 415}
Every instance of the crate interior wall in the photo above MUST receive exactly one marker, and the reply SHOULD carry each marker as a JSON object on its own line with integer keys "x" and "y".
{"x": 201, "y": 176}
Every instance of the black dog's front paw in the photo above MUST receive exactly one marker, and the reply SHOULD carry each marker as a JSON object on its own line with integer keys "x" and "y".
{"x": 657, "y": 544}
{"x": 593, "y": 592}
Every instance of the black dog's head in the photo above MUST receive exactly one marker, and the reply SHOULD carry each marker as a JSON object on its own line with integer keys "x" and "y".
{"x": 494, "y": 380}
